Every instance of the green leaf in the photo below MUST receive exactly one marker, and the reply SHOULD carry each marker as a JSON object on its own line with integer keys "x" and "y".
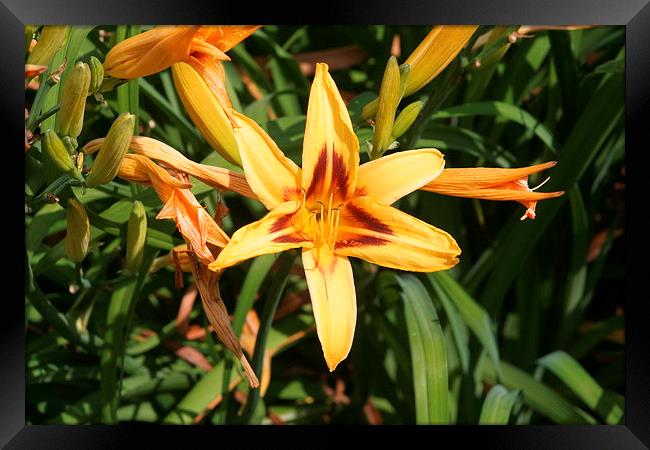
{"x": 537, "y": 395}
{"x": 582, "y": 345}
{"x": 172, "y": 112}
{"x": 255, "y": 275}
{"x": 118, "y": 320}
{"x": 518, "y": 240}
{"x": 446, "y": 137}
{"x": 476, "y": 318}
{"x": 428, "y": 353}
{"x": 584, "y": 386}
{"x": 199, "y": 397}
{"x": 497, "y": 406}
{"x": 505, "y": 110}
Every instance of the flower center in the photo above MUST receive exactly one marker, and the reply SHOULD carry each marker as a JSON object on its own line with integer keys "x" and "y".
{"x": 321, "y": 221}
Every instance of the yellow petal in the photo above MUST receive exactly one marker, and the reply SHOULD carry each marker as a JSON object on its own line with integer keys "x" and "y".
{"x": 271, "y": 175}
{"x": 389, "y": 178}
{"x": 149, "y": 52}
{"x": 225, "y": 37}
{"x": 213, "y": 73}
{"x": 273, "y": 233}
{"x": 205, "y": 111}
{"x": 333, "y": 299}
{"x": 330, "y": 155}
{"x": 391, "y": 238}
{"x": 435, "y": 53}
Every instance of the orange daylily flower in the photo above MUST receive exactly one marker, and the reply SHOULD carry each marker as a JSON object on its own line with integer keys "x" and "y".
{"x": 194, "y": 223}
{"x": 493, "y": 184}
{"x": 195, "y": 54}
{"x": 199, "y": 231}
{"x": 333, "y": 208}
{"x": 159, "y": 48}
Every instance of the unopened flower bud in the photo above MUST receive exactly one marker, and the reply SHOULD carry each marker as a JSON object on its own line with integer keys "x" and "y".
{"x": 73, "y": 100}
{"x": 206, "y": 111}
{"x": 29, "y": 36}
{"x": 113, "y": 150}
{"x": 390, "y": 95}
{"x": 78, "y": 232}
{"x": 55, "y": 150}
{"x": 406, "y": 118}
{"x": 136, "y": 235}
{"x": 96, "y": 75}
{"x": 50, "y": 41}
{"x": 435, "y": 52}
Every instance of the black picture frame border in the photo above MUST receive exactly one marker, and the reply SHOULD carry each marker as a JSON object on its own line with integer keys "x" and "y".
{"x": 634, "y": 14}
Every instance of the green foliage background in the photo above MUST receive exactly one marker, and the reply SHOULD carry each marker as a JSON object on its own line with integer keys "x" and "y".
{"x": 527, "y": 329}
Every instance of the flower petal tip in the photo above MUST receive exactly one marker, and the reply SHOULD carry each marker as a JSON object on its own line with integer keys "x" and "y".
{"x": 332, "y": 363}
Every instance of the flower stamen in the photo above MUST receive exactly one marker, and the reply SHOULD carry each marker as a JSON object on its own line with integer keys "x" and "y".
{"x": 541, "y": 184}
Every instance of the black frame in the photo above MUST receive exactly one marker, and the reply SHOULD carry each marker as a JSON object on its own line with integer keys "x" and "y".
{"x": 634, "y": 14}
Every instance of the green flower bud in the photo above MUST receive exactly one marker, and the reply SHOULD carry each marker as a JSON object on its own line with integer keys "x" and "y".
{"x": 406, "y": 118}
{"x": 96, "y": 75}
{"x": 29, "y": 35}
{"x": 50, "y": 41}
{"x": 370, "y": 109}
{"x": 136, "y": 235}
{"x": 55, "y": 150}
{"x": 113, "y": 150}
{"x": 78, "y": 232}
{"x": 390, "y": 95}
{"x": 73, "y": 100}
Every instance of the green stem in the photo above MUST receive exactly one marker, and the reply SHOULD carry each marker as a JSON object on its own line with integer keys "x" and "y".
{"x": 441, "y": 92}
{"x": 118, "y": 319}
{"x": 54, "y": 317}
{"x": 37, "y": 104}
{"x": 270, "y": 306}
{"x": 256, "y": 275}
{"x": 54, "y": 188}
{"x": 44, "y": 116}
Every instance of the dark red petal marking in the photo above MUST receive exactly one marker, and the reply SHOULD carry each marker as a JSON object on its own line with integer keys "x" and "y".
{"x": 359, "y": 218}
{"x": 338, "y": 183}
{"x": 366, "y": 220}
{"x": 359, "y": 240}
{"x": 289, "y": 239}
{"x": 283, "y": 223}
{"x": 340, "y": 175}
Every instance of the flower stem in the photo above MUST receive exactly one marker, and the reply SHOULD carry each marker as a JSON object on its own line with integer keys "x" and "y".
{"x": 441, "y": 92}
{"x": 285, "y": 262}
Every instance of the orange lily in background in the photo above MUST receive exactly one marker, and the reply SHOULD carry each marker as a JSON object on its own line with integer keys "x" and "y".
{"x": 199, "y": 230}
{"x": 195, "y": 54}
{"x": 333, "y": 208}
{"x": 202, "y": 47}
{"x": 434, "y": 53}
{"x": 216, "y": 177}
{"x": 493, "y": 184}
{"x": 194, "y": 223}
